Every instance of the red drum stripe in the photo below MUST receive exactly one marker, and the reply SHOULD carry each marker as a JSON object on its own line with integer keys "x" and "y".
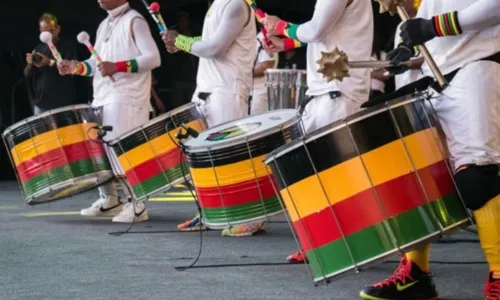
{"x": 154, "y": 166}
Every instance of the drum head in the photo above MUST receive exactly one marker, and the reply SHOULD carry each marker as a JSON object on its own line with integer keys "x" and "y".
{"x": 245, "y": 129}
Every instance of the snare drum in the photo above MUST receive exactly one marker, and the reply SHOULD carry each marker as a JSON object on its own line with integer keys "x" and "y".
{"x": 286, "y": 88}
{"x": 368, "y": 187}
{"x": 54, "y": 154}
{"x": 149, "y": 155}
{"x": 227, "y": 168}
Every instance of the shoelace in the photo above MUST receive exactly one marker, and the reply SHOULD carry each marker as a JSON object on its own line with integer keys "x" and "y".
{"x": 401, "y": 273}
{"x": 492, "y": 290}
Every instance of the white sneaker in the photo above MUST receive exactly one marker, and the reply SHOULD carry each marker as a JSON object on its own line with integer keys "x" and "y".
{"x": 128, "y": 215}
{"x": 104, "y": 207}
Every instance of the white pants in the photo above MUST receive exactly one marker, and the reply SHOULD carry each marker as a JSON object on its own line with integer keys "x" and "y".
{"x": 323, "y": 110}
{"x": 222, "y": 107}
{"x": 259, "y": 101}
{"x": 123, "y": 118}
{"x": 469, "y": 112}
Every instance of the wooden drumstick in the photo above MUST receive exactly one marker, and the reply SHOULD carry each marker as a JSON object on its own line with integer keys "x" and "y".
{"x": 336, "y": 65}
{"x": 397, "y": 7}
{"x": 84, "y": 38}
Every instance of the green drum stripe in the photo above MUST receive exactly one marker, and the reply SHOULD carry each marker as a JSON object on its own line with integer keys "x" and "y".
{"x": 376, "y": 240}
{"x": 239, "y": 213}
{"x": 159, "y": 181}
{"x": 72, "y": 170}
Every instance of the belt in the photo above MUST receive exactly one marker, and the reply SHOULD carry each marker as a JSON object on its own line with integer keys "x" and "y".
{"x": 303, "y": 104}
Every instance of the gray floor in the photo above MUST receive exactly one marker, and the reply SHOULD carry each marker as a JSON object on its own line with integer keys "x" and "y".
{"x": 71, "y": 257}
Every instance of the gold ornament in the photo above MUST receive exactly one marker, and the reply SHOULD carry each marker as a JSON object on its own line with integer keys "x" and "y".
{"x": 390, "y": 6}
{"x": 333, "y": 65}
{"x": 416, "y": 4}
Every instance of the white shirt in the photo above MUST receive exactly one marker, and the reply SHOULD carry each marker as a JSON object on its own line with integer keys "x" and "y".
{"x": 262, "y": 57}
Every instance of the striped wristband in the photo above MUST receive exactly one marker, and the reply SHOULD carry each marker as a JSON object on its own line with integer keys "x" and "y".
{"x": 82, "y": 69}
{"x": 447, "y": 24}
{"x": 129, "y": 66}
{"x": 185, "y": 43}
{"x": 290, "y": 43}
{"x": 287, "y": 29}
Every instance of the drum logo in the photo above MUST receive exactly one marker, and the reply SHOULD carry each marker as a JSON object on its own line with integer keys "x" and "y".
{"x": 232, "y": 132}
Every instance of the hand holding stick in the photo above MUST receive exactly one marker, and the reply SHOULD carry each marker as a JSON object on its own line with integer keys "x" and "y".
{"x": 84, "y": 38}
{"x": 46, "y": 37}
{"x": 260, "y": 15}
{"x": 397, "y": 6}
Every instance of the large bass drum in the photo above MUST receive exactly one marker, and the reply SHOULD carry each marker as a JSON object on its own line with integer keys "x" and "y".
{"x": 286, "y": 88}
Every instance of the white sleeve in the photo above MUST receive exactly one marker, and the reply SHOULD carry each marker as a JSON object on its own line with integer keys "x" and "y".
{"x": 480, "y": 15}
{"x": 326, "y": 14}
{"x": 92, "y": 62}
{"x": 149, "y": 57}
{"x": 234, "y": 18}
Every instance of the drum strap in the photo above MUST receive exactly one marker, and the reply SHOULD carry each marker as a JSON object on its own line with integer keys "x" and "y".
{"x": 303, "y": 104}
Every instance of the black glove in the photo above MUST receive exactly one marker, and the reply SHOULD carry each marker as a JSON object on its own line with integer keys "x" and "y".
{"x": 400, "y": 54}
{"x": 417, "y": 31}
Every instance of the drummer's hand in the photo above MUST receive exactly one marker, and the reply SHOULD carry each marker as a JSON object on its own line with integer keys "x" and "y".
{"x": 107, "y": 68}
{"x": 271, "y": 24}
{"x": 401, "y": 54}
{"x": 168, "y": 38}
{"x": 275, "y": 45}
{"x": 66, "y": 67}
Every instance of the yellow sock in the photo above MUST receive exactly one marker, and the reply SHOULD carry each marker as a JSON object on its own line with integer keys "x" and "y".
{"x": 488, "y": 228}
{"x": 420, "y": 257}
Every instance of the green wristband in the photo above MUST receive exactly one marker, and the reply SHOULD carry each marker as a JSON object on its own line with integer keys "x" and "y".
{"x": 185, "y": 43}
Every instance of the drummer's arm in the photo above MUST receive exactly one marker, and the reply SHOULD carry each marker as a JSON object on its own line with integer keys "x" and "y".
{"x": 324, "y": 18}
{"x": 86, "y": 68}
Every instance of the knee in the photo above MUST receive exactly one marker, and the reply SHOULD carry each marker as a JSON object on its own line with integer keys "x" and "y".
{"x": 478, "y": 184}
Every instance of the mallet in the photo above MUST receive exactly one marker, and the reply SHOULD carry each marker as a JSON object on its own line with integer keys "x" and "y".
{"x": 84, "y": 38}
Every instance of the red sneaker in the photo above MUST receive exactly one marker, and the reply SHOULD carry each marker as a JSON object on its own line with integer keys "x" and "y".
{"x": 296, "y": 258}
{"x": 492, "y": 289}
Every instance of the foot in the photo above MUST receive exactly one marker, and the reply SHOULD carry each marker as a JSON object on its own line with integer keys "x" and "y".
{"x": 245, "y": 230}
{"x": 492, "y": 289}
{"x": 108, "y": 206}
{"x": 408, "y": 282}
{"x": 195, "y": 224}
{"x": 296, "y": 258}
{"x": 132, "y": 213}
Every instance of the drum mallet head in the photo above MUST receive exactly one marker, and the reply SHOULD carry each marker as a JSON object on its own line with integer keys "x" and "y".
{"x": 333, "y": 65}
{"x": 390, "y": 6}
{"x": 46, "y": 37}
{"x": 83, "y": 37}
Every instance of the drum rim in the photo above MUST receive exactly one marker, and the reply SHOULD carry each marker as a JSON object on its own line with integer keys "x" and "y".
{"x": 241, "y": 140}
{"x": 359, "y": 116}
{"x": 153, "y": 121}
{"x": 303, "y": 71}
{"x": 43, "y": 115}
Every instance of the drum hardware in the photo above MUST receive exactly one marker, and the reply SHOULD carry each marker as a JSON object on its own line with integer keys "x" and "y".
{"x": 286, "y": 88}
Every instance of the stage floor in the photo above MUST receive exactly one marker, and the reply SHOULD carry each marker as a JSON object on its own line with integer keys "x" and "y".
{"x": 51, "y": 252}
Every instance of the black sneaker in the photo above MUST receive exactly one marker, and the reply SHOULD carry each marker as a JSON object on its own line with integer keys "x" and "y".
{"x": 408, "y": 282}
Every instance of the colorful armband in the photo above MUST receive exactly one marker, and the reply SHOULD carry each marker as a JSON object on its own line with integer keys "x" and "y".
{"x": 129, "y": 66}
{"x": 82, "y": 69}
{"x": 290, "y": 43}
{"x": 447, "y": 24}
{"x": 185, "y": 43}
{"x": 287, "y": 29}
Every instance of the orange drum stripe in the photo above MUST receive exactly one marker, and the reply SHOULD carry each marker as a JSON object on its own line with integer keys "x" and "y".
{"x": 230, "y": 174}
{"x": 350, "y": 178}
{"x": 155, "y": 147}
{"x": 51, "y": 140}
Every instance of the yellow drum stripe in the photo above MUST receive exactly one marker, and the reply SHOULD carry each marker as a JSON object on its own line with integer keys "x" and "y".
{"x": 350, "y": 178}
{"x": 51, "y": 140}
{"x": 230, "y": 174}
{"x": 158, "y": 146}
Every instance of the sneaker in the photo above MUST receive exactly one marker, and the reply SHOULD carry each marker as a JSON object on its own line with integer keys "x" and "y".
{"x": 408, "y": 282}
{"x": 296, "y": 258}
{"x": 492, "y": 289}
{"x": 195, "y": 224}
{"x": 108, "y": 206}
{"x": 244, "y": 230}
{"x": 132, "y": 213}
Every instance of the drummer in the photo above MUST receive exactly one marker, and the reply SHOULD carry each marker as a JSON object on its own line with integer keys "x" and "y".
{"x": 347, "y": 25}
{"x": 226, "y": 50}
{"x": 123, "y": 101}
{"x": 464, "y": 39}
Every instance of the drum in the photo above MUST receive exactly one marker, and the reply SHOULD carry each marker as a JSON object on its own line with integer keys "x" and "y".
{"x": 55, "y": 154}
{"x": 149, "y": 155}
{"x": 367, "y": 187}
{"x": 227, "y": 168}
{"x": 286, "y": 88}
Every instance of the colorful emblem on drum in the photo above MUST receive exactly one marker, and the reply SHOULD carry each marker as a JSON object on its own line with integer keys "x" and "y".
{"x": 232, "y": 132}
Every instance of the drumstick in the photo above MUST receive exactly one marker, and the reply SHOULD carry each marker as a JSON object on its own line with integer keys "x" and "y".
{"x": 260, "y": 15}
{"x": 154, "y": 11}
{"x": 46, "y": 37}
{"x": 84, "y": 38}
{"x": 336, "y": 64}
{"x": 397, "y": 6}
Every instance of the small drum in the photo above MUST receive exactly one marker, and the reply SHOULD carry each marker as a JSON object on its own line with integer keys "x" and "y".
{"x": 55, "y": 154}
{"x": 149, "y": 155}
{"x": 227, "y": 168}
{"x": 365, "y": 188}
{"x": 286, "y": 88}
